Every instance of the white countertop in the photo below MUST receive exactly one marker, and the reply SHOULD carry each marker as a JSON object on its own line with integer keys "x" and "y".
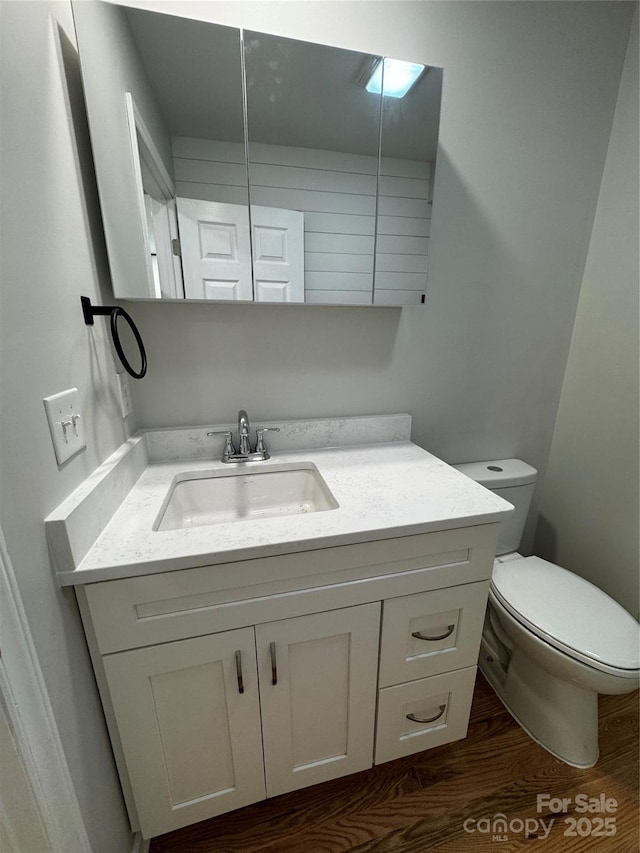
{"x": 383, "y": 491}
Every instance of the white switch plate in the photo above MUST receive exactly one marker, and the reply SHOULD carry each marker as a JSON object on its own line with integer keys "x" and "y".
{"x": 66, "y": 423}
{"x": 124, "y": 390}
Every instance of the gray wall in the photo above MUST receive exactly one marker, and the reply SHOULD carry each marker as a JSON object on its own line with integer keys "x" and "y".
{"x": 50, "y": 256}
{"x": 589, "y": 511}
{"x": 528, "y": 100}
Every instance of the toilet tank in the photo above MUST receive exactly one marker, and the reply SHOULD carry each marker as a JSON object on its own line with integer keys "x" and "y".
{"x": 512, "y": 480}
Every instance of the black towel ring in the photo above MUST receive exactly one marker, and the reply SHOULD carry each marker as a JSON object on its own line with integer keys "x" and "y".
{"x": 89, "y": 311}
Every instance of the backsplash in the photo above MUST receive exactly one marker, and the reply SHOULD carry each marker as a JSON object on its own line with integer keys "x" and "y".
{"x": 193, "y": 443}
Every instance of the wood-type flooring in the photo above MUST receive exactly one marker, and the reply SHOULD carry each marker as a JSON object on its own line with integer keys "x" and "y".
{"x": 421, "y": 803}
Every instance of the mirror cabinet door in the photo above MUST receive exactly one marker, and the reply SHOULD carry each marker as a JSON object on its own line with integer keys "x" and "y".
{"x": 408, "y": 146}
{"x": 195, "y": 70}
{"x": 313, "y": 137}
{"x": 165, "y": 106}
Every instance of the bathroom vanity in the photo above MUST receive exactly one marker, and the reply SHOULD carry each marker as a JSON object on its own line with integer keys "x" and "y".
{"x": 241, "y": 659}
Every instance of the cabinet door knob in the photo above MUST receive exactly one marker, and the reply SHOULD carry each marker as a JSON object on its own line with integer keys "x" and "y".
{"x": 419, "y": 636}
{"x": 274, "y": 664}
{"x": 239, "y": 671}
{"x": 415, "y": 719}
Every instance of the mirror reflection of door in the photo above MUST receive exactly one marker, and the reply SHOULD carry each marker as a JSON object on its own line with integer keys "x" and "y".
{"x": 278, "y": 254}
{"x": 160, "y": 227}
{"x": 215, "y": 249}
{"x": 156, "y": 207}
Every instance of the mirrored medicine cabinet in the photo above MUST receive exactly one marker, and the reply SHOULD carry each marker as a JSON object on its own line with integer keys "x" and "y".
{"x": 238, "y": 166}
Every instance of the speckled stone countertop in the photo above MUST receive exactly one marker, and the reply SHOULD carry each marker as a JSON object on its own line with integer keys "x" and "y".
{"x": 383, "y": 491}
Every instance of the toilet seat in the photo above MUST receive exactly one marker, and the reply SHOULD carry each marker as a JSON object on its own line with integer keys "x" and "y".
{"x": 568, "y": 613}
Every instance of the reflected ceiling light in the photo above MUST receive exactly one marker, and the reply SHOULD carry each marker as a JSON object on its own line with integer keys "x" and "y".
{"x": 399, "y": 77}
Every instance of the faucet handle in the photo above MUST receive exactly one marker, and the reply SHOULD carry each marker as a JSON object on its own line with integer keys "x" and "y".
{"x": 229, "y": 449}
{"x": 260, "y": 448}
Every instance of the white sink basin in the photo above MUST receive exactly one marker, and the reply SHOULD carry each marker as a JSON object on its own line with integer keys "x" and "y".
{"x": 206, "y": 498}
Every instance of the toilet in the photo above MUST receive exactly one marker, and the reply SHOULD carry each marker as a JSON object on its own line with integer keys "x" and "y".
{"x": 551, "y": 640}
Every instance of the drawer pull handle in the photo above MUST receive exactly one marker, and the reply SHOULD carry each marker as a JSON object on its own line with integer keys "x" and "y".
{"x": 415, "y": 719}
{"x": 274, "y": 665}
{"x": 447, "y": 633}
{"x": 239, "y": 672}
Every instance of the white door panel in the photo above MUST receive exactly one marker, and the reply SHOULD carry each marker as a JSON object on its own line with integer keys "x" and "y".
{"x": 216, "y": 255}
{"x": 278, "y": 254}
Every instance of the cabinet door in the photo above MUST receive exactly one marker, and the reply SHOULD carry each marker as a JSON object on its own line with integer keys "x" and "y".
{"x": 317, "y": 691}
{"x": 191, "y": 738}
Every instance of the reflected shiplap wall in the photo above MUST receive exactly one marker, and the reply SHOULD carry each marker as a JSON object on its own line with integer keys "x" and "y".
{"x": 337, "y": 194}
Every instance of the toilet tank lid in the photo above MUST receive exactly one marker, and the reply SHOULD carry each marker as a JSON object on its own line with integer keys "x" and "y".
{"x": 499, "y": 473}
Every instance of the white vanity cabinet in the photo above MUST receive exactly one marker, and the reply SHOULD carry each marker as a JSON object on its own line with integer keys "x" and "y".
{"x": 193, "y": 715}
{"x": 348, "y": 656}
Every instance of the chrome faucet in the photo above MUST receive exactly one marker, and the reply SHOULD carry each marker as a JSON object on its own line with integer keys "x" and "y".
{"x": 243, "y": 433}
{"x": 244, "y": 452}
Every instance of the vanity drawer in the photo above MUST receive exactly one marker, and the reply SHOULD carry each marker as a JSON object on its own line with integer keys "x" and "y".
{"x": 431, "y": 632}
{"x": 441, "y": 706}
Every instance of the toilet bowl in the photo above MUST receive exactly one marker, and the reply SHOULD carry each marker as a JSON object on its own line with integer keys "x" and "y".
{"x": 551, "y": 641}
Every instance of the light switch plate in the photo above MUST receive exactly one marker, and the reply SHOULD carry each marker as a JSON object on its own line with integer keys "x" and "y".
{"x": 124, "y": 390}
{"x": 66, "y": 423}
